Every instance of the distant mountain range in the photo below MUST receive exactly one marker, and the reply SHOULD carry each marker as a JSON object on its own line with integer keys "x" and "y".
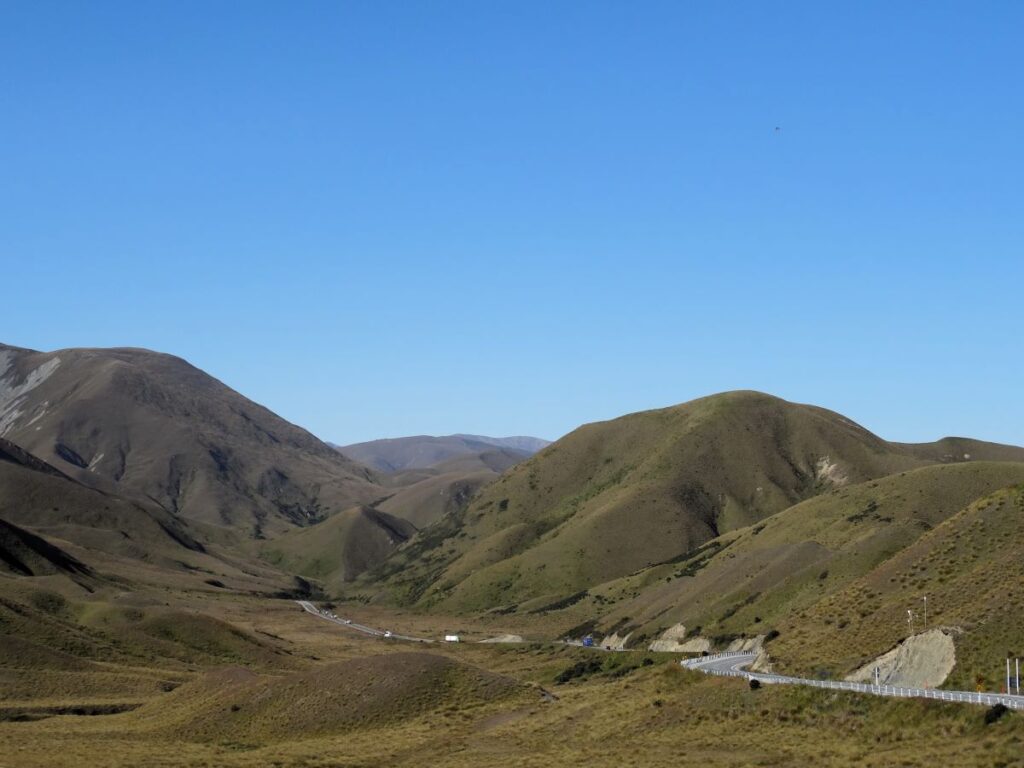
{"x": 425, "y": 451}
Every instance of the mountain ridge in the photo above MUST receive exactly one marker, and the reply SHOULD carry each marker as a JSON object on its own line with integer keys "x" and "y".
{"x": 397, "y": 454}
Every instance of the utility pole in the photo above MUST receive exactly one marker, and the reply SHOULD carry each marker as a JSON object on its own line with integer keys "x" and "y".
{"x": 1008, "y": 689}
{"x": 926, "y": 613}
{"x": 1016, "y": 664}
{"x": 910, "y": 620}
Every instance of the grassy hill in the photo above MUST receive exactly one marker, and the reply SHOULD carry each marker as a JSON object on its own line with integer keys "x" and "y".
{"x": 800, "y": 573}
{"x": 615, "y": 497}
{"x": 430, "y": 499}
{"x": 341, "y": 547}
{"x": 361, "y": 693}
{"x": 970, "y": 568}
{"x": 336, "y": 550}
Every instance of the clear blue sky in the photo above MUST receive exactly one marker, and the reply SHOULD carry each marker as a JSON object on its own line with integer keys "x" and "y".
{"x": 509, "y": 217}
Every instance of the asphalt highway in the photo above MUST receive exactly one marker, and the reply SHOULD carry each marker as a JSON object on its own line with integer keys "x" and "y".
{"x": 308, "y": 607}
{"x": 735, "y": 665}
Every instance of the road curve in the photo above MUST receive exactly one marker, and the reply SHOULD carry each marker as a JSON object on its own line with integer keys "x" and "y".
{"x": 735, "y": 665}
{"x": 308, "y": 607}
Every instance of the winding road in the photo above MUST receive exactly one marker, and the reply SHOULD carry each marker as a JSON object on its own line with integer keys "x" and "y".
{"x": 735, "y": 665}
{"x": 308, "y": 607}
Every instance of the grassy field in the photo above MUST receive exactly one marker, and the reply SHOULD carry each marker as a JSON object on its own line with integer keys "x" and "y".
{"x": 331, "y": 697}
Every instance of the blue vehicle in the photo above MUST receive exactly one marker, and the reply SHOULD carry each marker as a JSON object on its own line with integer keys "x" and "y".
{"x": 588, "y": 641}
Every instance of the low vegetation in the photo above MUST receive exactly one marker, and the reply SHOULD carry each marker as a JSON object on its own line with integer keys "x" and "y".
{"x": 350, "y": 700}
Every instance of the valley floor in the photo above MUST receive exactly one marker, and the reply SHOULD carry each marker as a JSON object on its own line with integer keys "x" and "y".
{"x": 333, "y": 697}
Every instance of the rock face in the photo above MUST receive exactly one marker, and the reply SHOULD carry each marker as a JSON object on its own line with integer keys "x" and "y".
{"x": 762, "y": 663}
{"x": 674, "y": 640}
{"x": 614, "y": 642}
{"x": 670, "y": 639}
{"x": 746, "y": 644}
{"x": 921, "y": 661}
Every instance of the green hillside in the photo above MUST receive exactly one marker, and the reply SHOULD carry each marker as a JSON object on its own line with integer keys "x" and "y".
{"x": 615, "y": 497}
{"x": 971, "y": 570}
{"x": 786, "y": 573}
{"x": 343, "y": 546}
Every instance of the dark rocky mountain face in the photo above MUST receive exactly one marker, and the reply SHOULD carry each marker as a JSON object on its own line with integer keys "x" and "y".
{"x": 153, "y": 427}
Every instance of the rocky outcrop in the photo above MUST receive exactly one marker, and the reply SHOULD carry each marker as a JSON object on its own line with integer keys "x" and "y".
{"x": 921, "y": 661}
{"x": 675, "y": 640}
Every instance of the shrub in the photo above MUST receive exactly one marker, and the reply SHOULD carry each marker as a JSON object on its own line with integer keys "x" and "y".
{"x": 755, "y": 684}
{"x": 49, "y": 602}
{"x": 579, "y": 669}
{"x": 994, "y": 713}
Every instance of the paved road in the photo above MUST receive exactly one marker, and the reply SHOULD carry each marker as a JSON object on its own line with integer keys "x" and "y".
{"x": 735, "y": 665}
{"x": 594, "y": 647}
{"x": 308, "y": 607}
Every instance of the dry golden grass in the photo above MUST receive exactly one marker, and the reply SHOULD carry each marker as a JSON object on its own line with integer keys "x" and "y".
{"x": 341, "y": 699}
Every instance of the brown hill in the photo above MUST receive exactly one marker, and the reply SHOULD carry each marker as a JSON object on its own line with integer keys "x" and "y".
{"x": 33, "y": 494}
{"x": 118, "y": 539}
{"x": 340, "y": 548}
{"x": 424, "y": 451}
{"x": 154, "y": 427}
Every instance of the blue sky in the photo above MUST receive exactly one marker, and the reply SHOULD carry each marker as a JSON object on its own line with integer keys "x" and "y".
{"x": 381, "y": 219}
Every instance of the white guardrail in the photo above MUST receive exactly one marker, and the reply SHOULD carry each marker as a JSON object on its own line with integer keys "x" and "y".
{"x": 700, "y": 663}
